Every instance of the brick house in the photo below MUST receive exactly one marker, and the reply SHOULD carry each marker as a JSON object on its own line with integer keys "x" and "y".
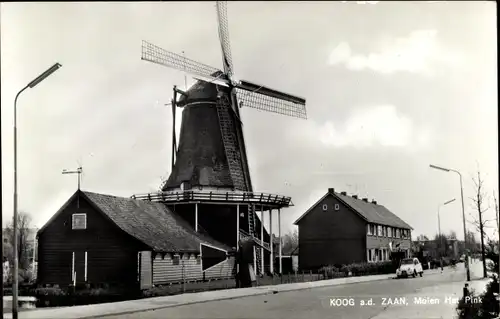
{"x": 341, "y": 229}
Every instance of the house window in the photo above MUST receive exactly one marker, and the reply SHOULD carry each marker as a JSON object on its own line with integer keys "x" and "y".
{"x": 176, "y": 260}
{"x": 369, "y": 229}
{"x": 337, "y": 207}
{"x": 79, "y": 221}
{"x": 379, "y": 230}
{"x": 325, "y": 207}
{"x": 198, "y": 260}
{"x": 390, "y": 232}
{"x": 369, "y": 255}
{"x": 398, "y": 233}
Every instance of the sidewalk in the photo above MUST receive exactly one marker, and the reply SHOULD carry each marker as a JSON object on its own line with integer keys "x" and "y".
{"x": 127, "y": 307}
{"x": 443, "y": 299}
{"x": 131, "y": 306}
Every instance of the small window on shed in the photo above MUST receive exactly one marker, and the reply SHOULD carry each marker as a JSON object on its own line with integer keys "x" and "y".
{"x": 198, "y": 259}
{"x": 176, "y": 259}
{"x": 79, "y": 221}
{"x": 325, "y": 207}
{"x": 337, "y": 207}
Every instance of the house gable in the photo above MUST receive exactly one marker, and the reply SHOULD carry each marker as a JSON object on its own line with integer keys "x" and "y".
{"x": 331, "y": 217}
{"x": 97, "y": 223}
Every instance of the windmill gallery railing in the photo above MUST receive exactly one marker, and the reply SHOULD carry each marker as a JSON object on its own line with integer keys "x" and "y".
{"x": 268, "y": 201}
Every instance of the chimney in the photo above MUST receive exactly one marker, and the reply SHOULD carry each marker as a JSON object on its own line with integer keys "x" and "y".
{"x": 365, "y": 199}
{"x": 374, "y": 202}
{"x": 355, "y": 196}
{"x": 331, "y": 190}
{"x": 343, "y": 193}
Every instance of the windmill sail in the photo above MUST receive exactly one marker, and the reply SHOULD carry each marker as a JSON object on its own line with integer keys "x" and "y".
{"x": 211, "y": 150}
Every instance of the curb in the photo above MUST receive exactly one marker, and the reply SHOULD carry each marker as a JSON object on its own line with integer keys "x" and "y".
{"x": 258, "y": 293}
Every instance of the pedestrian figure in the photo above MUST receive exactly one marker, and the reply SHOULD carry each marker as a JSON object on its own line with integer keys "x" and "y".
{"x": 441, "y": 261}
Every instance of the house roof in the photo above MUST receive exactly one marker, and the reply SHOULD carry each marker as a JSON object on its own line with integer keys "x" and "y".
{"x": 149, "y": 222}
{"x": 372, "y": 213}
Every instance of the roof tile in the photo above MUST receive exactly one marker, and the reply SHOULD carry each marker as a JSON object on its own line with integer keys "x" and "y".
{"x": 152, "y": 223}
{"x": 374, "y": 213}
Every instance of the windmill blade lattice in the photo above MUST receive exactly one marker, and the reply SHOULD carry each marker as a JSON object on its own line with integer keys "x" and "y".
{"x": 264, "y": 102}
{"x": 227, "y": 59}
{"x": 155, "y": 54}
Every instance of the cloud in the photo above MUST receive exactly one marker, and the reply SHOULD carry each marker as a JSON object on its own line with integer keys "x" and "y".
{"x": 413, "y": 53}
{"x": 362, "y": 2}
{"x": 366, "y": 128}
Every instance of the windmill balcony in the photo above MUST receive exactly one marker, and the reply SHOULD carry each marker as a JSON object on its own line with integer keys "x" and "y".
{"x": 269, "y": 201}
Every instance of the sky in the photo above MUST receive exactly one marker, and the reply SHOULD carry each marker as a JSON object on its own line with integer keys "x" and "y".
{"x": 391, "y": 87}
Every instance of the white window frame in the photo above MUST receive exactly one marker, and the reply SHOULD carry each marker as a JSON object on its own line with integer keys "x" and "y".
{"x": 337, "y": 206}
{"x": 389, "y": 232}
{"x": 73, "y": 218}
{"x": 369, "y": 231}
{"x": 379, "y": 230}
{"x": 325, "y": 207}
{"x": 176, "y": 257}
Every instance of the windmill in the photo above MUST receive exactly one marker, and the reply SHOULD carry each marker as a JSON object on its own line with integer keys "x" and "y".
{"x": 211, "y": 150}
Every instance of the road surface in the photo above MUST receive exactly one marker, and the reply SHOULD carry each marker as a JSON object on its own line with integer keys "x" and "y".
{"x": 389, "y": 299}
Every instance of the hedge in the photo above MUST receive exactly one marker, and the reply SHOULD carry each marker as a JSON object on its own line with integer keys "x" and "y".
{"x": 359, "y": 269}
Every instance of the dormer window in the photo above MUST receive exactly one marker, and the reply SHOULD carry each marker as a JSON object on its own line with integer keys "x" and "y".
{"x": 79, "y": 221}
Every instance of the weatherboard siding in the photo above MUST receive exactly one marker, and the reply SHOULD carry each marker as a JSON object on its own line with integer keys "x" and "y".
{"x": 111, "y": 253}
{"x": 165, "y": 271}
{"x": 221, "y": 270}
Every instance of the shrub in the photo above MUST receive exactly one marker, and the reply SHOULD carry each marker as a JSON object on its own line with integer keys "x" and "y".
{"x": 489, "y": 307}
{"x": 358, "y": 269}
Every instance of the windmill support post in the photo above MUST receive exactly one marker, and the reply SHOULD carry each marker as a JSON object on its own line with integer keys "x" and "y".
{"x": 279, "y": 236}
{"x": 254, "y": 259}
{"x": 196, "y": 217}
{"x": 262, "y": 238}
{"x": 271, "y": 264}
{"x": 237, "y": 233}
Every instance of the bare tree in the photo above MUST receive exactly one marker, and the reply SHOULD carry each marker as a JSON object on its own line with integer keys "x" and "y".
{"x": 497, "y": 215}
{"x": 481, "y": 205}
{"x": 442, "y": 246}
{"x": 422, "y": 238}
{"x": 290, "y": 241}
{"x": 470, "y": 242}
{"x": 24, "y": 247}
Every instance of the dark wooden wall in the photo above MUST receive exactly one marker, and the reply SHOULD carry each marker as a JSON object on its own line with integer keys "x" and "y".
{"x": 331, "y": 237}
{"x": 111, "y": 253}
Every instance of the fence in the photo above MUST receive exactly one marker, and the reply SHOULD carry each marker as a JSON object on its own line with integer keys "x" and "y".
{"x": 230, "y": 283}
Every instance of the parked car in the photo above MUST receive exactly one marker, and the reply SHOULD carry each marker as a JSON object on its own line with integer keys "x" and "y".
{"x": 409, "y": 267}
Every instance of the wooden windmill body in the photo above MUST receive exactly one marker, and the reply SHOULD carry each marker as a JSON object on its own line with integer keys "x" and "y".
{"x": 209, "y": 164}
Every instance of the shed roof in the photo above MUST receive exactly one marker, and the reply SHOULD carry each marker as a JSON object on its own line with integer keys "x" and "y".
{"x": 150, "y": 222}
{"x": 371, "y": 212}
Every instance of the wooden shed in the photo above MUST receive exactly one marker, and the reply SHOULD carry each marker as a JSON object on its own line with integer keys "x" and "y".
{"x": 103, "y": 239}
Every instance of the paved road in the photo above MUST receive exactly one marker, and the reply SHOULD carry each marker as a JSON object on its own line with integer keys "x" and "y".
{"x": 316, "y": 303}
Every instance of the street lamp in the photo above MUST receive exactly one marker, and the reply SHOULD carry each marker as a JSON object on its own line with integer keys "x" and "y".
{"x": 30, "y": 85}
{"x": 439, "y": 219}
{"x": 463, "y": 209}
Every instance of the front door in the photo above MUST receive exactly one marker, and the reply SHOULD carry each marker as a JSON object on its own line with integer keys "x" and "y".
{"x": 80, "y": 268}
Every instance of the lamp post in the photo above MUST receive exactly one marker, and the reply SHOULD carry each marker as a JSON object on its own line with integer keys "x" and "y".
{"x": 463, "y": 209}
{"x": 30, "y": 85}
{"x": 439, "y": 219}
